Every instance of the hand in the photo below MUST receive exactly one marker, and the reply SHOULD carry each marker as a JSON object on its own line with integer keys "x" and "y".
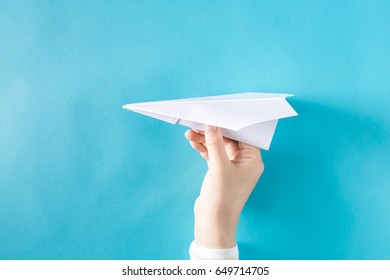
{"x": 233, "y": 171}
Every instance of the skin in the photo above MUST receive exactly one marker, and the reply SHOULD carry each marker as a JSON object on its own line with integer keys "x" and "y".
{"x": 233, "y": 171}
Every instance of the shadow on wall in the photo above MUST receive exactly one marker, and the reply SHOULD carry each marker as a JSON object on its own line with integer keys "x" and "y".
{"x": 300, "y": 207}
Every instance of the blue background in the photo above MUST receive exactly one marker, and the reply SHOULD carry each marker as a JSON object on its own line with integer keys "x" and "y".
{"x": 81, "y": 178}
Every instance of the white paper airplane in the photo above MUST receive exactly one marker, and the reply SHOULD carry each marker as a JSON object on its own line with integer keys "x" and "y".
{"x": 247, "y": 117}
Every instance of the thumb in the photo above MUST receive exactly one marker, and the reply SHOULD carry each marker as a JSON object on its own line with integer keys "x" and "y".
{"x": 215, "y": 146}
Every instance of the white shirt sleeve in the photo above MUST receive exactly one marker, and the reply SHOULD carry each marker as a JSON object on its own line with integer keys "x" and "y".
{"x": 201, "y": 253}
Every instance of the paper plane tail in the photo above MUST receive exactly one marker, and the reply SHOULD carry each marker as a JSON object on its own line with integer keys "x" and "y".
{"x": 162, "y": 117}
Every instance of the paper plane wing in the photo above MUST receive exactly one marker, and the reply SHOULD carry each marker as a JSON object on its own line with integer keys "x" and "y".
{"x": 247, "y": 117}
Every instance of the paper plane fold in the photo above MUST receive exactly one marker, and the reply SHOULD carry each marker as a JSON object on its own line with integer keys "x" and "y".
{"x": 247, "y": 117}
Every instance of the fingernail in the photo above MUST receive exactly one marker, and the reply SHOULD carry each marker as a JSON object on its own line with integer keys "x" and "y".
{"x": 211, "y": 128}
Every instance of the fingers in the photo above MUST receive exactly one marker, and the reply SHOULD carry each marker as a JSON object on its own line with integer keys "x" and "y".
{"x": 197, "y": 143}
{"x": 215, "y": 146}
{"x": 198, "y": 136}
{"x": 201, "y": 149}
{"x": 220, "y": 152}
{"x": 250, "y": 156}
{"x": 248, "y": 148}
{"x": 191, "y": 135}
{"x": 231, "y": 147}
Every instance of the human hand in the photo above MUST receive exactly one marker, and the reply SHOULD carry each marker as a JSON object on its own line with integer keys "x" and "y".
{"x": 233, "y": 171}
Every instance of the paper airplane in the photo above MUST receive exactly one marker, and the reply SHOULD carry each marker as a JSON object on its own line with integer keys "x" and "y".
{"x": 247, "y": 117}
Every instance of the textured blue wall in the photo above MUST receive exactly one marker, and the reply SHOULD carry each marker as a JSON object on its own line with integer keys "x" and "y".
{"x": 81, "y": 178}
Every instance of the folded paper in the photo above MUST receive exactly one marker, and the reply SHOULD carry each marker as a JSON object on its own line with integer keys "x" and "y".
{"x": 247, "y": 117}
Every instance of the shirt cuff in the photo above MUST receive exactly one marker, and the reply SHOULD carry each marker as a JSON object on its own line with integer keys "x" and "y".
{"x": 201, "y": 253}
